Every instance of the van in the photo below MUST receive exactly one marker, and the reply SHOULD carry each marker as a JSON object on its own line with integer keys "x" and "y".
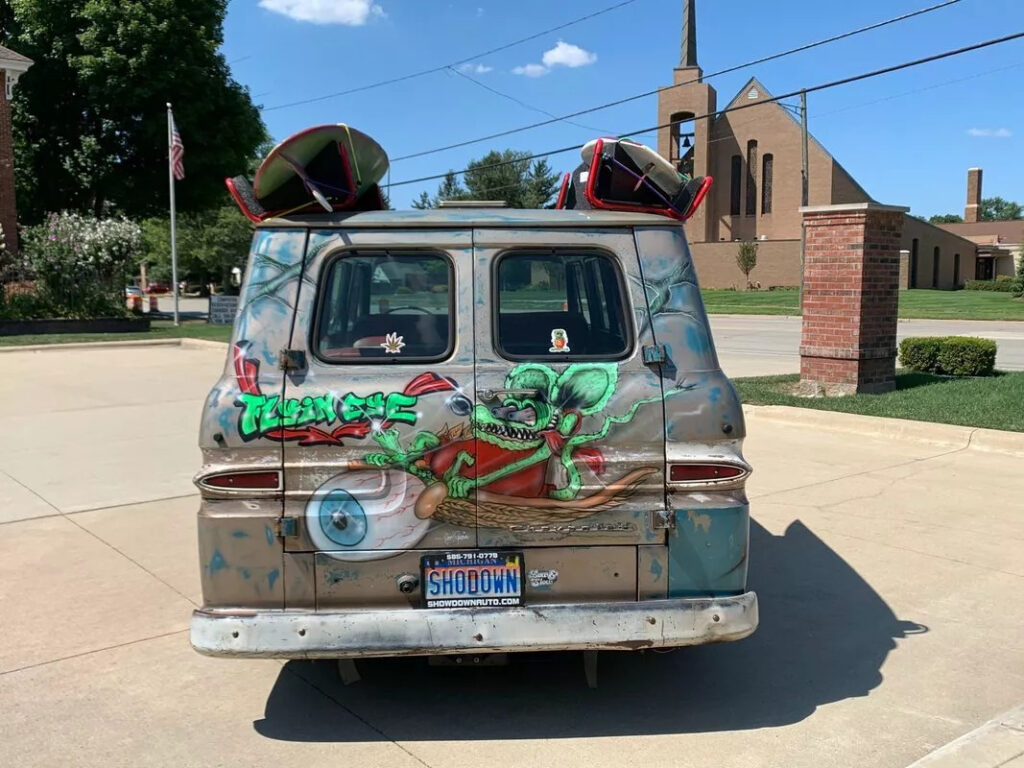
{"x": 470, "y": 432}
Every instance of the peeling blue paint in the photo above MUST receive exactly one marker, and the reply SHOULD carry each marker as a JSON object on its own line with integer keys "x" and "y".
{"x": 269, "y": 533}
{"x": 272, "y": 577}
{"x": 697, "y": 340}
{"x": 217, "y": 562}
{"x": 239, "y": 534}
{"x": 245, "y": 573}
{"x": 715, "y": 393}
{"x": 656, "y": 569}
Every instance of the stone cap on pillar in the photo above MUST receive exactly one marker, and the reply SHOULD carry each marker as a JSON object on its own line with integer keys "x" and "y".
{"x": 853, "y": 208}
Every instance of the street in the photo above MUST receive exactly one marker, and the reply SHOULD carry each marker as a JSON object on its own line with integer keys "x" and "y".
{"x": 889, "y": 574}
{"x": 758, "y": 345}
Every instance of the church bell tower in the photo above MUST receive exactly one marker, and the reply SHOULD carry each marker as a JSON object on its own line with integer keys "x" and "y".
{"x": 685, "y": 139}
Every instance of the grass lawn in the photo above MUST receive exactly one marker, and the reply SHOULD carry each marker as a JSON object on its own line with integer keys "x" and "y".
{"x": 917, "y": 304}
{"x": 160, "y": 329}
{"x": 992, "y": 402}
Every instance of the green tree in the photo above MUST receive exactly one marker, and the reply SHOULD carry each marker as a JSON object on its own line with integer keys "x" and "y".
{"x": 945, "y": 218}
{"x": 746, "y": 259}
{"x": 510, "y": 176}
{"x": 90, "y": 116}
{"x": 997, "y": 209}
{"x": 449, "y": 189}
{"x": 210, "y": 243}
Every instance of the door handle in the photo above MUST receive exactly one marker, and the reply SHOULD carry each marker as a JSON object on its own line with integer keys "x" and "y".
{"x": 495, "y": 394}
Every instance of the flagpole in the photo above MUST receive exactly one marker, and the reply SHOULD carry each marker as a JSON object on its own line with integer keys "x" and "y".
{"x": 174, "y": 244}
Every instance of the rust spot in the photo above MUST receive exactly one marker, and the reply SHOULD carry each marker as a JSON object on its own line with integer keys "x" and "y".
{"x": 478, "y": 637}
{"x": 699, "y": 521}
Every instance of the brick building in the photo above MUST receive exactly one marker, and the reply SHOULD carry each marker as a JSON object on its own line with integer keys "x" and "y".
{"x": 754, "y": 155}
{"x": 12, "y": 66}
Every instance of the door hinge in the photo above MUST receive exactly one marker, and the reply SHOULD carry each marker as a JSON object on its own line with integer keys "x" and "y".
{"x": 287, "y": 527}
{"x": 654, "y": 354}
{"x": 291, "y": 360}
{"x": 663, "y": 520}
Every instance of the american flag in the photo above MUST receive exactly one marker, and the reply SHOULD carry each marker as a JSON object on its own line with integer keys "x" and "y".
{"x": 177, "y": 153}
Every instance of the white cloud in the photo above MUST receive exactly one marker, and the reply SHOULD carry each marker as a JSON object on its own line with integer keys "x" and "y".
{"x": 568, "y": 55}
{"x": 479, "y": 12}
{"x": 352, "y": 13}
{"x": 531, "y": 70}
{"x": 475, "y": 69}
{"x": 562, "y": 55}
{"x": 990, "y": 133}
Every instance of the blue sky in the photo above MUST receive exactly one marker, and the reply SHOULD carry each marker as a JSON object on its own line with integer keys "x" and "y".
{"x": 908, "y": 138}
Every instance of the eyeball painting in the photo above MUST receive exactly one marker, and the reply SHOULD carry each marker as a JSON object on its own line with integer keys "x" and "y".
{"x": 355, "y": 515}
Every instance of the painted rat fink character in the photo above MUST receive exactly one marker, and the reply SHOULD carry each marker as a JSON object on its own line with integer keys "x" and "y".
{"x": 509, "y": 445}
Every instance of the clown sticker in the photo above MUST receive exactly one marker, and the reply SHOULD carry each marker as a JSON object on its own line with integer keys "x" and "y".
{"x": 559, "y": 340}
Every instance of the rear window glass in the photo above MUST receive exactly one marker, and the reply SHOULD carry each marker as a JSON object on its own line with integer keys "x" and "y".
{"x": 561, "y": 305}
{"x": 385, "y": 308}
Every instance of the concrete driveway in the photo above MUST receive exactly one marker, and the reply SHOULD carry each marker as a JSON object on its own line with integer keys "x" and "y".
{"x": 757, "y": 345}
{"x": 889, "y": 573}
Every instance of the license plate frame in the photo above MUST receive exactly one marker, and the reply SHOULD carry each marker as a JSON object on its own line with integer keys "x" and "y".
{"x": 498, "y": 582}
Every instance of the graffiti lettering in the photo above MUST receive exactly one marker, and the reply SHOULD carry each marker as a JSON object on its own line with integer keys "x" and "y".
{"x": 310, "y": 419}
{"x": 377, "y": 406}
{"x": 263, "y": 414}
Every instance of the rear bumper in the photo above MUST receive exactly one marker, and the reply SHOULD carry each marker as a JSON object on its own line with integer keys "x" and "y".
{"x": 412, "y": 632}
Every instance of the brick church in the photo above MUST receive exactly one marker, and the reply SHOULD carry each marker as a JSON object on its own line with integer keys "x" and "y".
{"x": 754, "y": 155}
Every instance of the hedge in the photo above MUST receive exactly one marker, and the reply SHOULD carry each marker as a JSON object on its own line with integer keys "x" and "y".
{"x": 949, "y": 355}
{"x": 1006, "y": 285}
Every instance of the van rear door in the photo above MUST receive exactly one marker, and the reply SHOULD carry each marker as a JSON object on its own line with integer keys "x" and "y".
{"x": 569, "y": 420}
{"x": 383, "y": 375}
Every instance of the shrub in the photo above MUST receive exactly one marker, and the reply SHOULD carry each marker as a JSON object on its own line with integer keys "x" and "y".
{"x": 79, "y": 265}
{"x": 966, "y": 356}
{"x": 920, "y": 353}
{"x": 1002, "y": 284}
{"x": 949, "y": 355}
{"x": 746, "y": 259}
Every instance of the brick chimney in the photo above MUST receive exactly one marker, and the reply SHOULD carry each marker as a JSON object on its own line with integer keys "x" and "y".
{"x": 973, "y": 210}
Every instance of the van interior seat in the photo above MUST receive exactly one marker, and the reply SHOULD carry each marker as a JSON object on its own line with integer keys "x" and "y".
{"x": 423, "y": 335}
{"x": 529, "y": 333}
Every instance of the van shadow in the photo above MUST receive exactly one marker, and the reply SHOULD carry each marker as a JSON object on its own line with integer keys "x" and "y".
{"x": 823, "y": 637}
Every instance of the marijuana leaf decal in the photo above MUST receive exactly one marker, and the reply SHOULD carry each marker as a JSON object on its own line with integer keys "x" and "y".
{"x": 392, "y": 343}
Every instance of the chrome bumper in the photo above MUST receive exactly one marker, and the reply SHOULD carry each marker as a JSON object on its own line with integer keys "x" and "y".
{"x": 426, "y": 632}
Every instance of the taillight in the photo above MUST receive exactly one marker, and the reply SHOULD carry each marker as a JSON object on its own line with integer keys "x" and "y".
{"x": 242, "y": 481}
{"x": 704, "y": 473}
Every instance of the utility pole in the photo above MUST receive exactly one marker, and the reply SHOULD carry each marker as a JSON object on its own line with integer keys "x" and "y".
{"x": 804, "y": 187}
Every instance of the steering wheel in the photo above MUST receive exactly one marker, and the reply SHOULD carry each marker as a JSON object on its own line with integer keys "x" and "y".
{"x": 410, "y": 306}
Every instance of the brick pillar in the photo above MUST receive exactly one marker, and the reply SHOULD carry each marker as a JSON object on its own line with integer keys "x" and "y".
{"x": 8, "y": 209}
{"x": 850, "y": 298}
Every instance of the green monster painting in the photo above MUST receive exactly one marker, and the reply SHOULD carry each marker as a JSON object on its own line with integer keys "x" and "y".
{"x": 503, "y": 454}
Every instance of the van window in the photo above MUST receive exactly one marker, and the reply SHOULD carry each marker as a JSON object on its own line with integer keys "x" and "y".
{"x": 560, "y": 305}
{"x": 385, "y": 308}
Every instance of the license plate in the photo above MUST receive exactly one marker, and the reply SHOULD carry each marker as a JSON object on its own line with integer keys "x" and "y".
{"x": 472, "y": 579}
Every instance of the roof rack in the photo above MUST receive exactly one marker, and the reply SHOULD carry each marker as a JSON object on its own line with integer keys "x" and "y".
{"x": 472, "y": 204}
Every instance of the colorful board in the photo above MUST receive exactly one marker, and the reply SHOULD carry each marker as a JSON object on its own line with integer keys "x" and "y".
{"x": 332, "y": 165}
{"x": 619, "y": 174}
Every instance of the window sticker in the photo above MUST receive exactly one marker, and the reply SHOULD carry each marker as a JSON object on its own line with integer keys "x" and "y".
{"x": 559, "y": 340}
{"x": 392, "y": 343}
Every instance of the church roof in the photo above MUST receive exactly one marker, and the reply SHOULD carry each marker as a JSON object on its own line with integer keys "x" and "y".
{"x": 755, "y": 92}
{"x": 9, "y": 57}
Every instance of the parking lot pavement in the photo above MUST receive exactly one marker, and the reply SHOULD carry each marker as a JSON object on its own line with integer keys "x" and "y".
{"x": 889, "y": 574}
{"x": 760, "y": 345}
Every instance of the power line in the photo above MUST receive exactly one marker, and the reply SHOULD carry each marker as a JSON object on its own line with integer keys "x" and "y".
{"x": 520, "y": 102}
{"x": 644, "y": 95}
{"x": 830, "y": 113}
{"x": 449, "y": 65}
{"x": 748, "y": 105}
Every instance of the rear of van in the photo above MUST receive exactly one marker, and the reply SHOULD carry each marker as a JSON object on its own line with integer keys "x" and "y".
{"x": 448, "y": 432}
